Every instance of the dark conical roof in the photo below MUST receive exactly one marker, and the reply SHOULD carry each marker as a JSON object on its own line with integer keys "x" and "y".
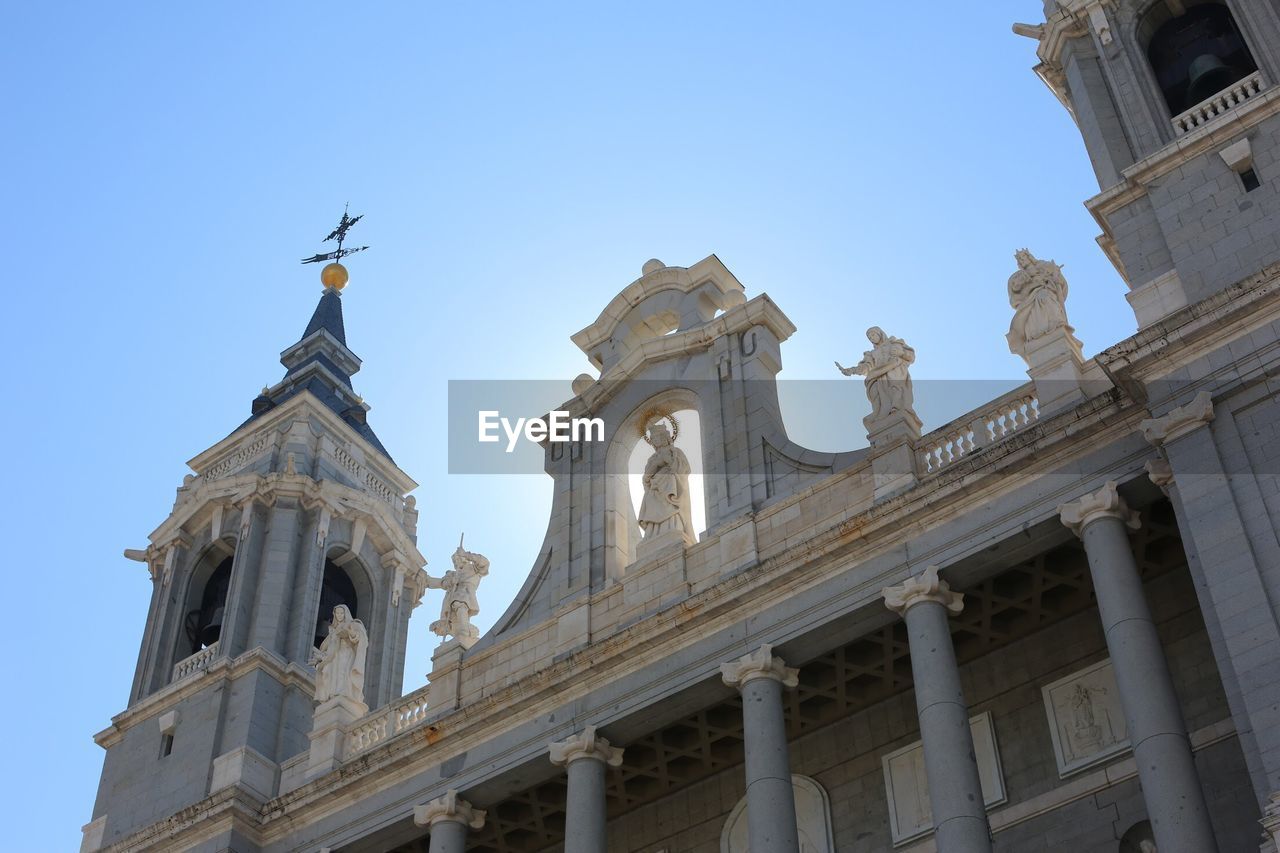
{"x": 321, "y": 363}
{"x": 328, "y": 316}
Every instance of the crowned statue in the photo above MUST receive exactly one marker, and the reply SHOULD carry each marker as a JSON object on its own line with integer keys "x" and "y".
{"x": 460, "y": 603}
{"x": 1038, "y": 296}
{"x": 665, "y": 507}
{"x": 339, "y": 661}
{"x": 886, "y": 368}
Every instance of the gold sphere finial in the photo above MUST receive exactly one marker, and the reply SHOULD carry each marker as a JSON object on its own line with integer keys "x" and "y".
{"x": 334, "y": 275}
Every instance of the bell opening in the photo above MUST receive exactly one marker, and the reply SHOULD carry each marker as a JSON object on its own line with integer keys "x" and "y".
{"x": 335, "y": 589}
{"x": 1196, "y": 55}
{"x": 204, "y": 625}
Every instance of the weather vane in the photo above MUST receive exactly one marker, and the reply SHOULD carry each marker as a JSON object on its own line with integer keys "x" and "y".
{"x": 335, "y": 274}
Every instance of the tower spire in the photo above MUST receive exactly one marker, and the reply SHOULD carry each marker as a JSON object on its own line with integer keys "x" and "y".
{"x": 320, "y": 362}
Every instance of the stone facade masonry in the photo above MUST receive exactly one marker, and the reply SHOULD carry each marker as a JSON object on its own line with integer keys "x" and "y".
{"x": 1175, "y": 426}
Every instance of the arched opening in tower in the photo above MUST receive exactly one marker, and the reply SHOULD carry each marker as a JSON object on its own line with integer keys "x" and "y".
{"x": 1195, "y": 55}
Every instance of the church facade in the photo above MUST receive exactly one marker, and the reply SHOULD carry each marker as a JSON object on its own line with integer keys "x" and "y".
{"x": 1051, "y": 624}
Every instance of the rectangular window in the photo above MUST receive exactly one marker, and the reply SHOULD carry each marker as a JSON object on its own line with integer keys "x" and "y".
{"x": 1250, "y": 180}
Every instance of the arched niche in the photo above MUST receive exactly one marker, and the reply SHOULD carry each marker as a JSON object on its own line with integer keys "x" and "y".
{"x": 343, "y": 581}
{"x": 1195, "y": 51}
{"x": 813, "y": 821}
{"x": 204, "y": 601}
{"x": 622, "y": 530}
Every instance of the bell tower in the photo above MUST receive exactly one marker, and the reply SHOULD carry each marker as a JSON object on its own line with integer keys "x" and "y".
{"x": 1178, "y": 104}
{"x": 298, "y": 510}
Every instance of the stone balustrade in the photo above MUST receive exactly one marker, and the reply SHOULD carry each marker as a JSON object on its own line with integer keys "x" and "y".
{"x": 970, "y": 433}
{"x": 195, "y": 663}
{"x": 404, "y": 714}
{"x": 1209, "y": 109}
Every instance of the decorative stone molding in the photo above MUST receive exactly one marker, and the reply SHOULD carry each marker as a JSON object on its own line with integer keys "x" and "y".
{"x": 1179, "y": 422}
{"x": 585, "y": 744}
{"x": 1271, "y": 821}
{"x": 1104, "y": 503}
{"x": 927, "y": 587}
{"x": 449, "y": 807}
{"x": 1160, "y": 473}
{"x": 759, "y": 664}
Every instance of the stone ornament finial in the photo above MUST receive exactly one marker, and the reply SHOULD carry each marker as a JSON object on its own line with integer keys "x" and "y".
{"x": 449, "y": 807}
{"x": 1180, "y": 421}
{"x": 460, "y": 601}
{"x": 585, "y": 744}
{"x": 1104, "y": 503}
{"x": 1038, "y": 296}
{"x": 759, "y": 664}
{"x": 1160, "y": 473}
{"x": 886, "y": 367}
{"x": 927, "y": 587}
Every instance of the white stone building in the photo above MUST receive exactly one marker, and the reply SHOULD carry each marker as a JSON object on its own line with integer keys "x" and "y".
{"x": 1051, "y": 624}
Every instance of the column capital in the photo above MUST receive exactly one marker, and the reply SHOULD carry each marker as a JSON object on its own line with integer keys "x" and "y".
{"x": 449, "y": 807}
{"x": 1104, "y": 503}
{"x": 759, "y": 664}
{"x": 1179, "y": 421}
{"x": 1160, "y": 473}
{"x": 927, "y": 587}
{"x": 585, "y": 744}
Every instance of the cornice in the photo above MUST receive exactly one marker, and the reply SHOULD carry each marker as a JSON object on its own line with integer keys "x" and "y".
{"x": 289, "y": 411}
{"x": 219, "y": 671}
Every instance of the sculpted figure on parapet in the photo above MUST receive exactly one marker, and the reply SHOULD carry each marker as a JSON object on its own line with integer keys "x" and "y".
{"x": 665, "y": 507}
{"x": 339, "y": 661}
{"x": 1038, "y": 295}
{"x": 460, "y": 602}
{"x": 886, "y": 367}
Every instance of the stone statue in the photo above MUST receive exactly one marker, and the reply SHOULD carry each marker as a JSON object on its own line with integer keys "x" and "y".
{"x": 665, "y": 507}
{"x": 1038, "y": 295}
{"x": 460, "y": 602}
{"x": 886, "y": 367}
{"x": 339, "y": 661}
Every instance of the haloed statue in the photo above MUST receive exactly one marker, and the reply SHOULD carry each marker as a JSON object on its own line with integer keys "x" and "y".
{"x": 665, "y": 507}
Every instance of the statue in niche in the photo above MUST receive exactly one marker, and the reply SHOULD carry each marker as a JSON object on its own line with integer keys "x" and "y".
{"x": 665, "y": 507}
{"x": 886, "y": 368}
{"x": 1038, "y": 295}
{"x": 339, "y": 661}
{"x": 460, "y": 603}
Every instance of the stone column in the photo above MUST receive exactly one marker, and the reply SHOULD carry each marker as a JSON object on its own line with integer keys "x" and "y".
{"x": 584, "y": 757}
{"x": 1232, "y": 552}
{"x": 771, "y": 804}
{"x": 1161, "y": 748}
{"x": 950, "y": 762}
{"x": 448, "y": 818}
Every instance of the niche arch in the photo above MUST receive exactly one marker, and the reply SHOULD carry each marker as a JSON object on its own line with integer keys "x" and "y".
{"x": 204, "y": 600}
{"x": 1194, "y": 54}
{"x": 622, "y": 530}
{"x": 813, "y": 820}
{"x": 344, "y": 580}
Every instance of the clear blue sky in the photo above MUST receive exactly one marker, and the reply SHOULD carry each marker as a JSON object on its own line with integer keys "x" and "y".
{"x": 166, "y": 165}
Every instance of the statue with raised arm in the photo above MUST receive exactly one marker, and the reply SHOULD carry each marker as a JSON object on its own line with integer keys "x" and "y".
{"x": 460, "y": 603}
{"x": 339, "y": 661}
{"x": 887, "y": 370}
{"x": 1038, "y": 296}
{"x": 665, "y": 507}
